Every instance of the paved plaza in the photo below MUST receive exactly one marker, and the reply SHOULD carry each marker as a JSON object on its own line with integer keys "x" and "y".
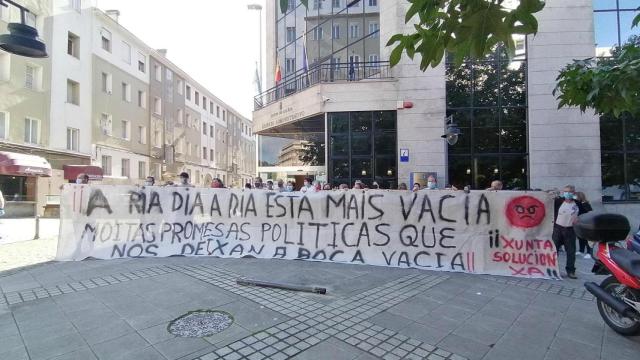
{"x": 121, "y": 309}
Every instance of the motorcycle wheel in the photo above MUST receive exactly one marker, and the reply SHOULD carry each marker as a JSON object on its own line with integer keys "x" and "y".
{"x": 620, "y": 324}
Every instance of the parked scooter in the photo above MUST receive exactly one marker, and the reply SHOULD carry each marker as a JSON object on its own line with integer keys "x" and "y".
{"x": 633, "y": 242}
{"x": 618, "y": 296}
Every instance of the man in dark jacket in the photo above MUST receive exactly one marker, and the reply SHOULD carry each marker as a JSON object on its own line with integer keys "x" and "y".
{"x": 566, "y": 211}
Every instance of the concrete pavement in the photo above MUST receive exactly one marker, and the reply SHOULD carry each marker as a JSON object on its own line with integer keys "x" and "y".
{"x": 120, "y": 309}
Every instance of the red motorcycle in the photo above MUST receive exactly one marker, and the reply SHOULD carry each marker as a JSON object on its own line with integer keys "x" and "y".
{"x": 618, "y": 296}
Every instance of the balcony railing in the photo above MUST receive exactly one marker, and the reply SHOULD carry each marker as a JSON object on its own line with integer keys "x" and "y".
{"x": 323, "y": 73}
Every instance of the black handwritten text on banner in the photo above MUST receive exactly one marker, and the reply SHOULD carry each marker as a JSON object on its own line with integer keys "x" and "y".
{"x": 502, "y": 233}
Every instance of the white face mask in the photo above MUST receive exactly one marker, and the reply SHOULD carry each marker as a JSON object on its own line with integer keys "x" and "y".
{"x": 289, "y": 188}
{"x": 148, "y": 183}
{"x": 184, "y": 180}
{"x": 78, "y": 181}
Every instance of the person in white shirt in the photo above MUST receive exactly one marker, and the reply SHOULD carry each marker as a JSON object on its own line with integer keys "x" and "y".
{"x": 567, "y": 209}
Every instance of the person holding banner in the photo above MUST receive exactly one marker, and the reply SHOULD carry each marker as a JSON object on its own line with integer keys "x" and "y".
{"x": 184, "y": 180}
{"x": 567, "y": 209}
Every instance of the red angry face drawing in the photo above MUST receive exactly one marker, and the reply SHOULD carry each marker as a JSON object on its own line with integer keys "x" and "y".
{"x": 525, "y": 212}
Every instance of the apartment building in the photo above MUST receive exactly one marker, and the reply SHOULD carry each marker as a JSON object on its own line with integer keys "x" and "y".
{"x": 107, "y": 104}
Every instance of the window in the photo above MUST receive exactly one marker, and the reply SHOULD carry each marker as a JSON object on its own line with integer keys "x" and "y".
{"x": 180, "y": 86}
{"x": 204, "y": 152}
{"x": 197, "y": 98}
{"x": 73, "y": 92}
{"x": 30, "y": 77}
{"x": 126, "y": 52}
{"x": 210, "y": 130}
{"x": 211, "y": 154}
{"x": 31, "y": 131}
{"x": 126, "y": 129}
{"x": 75, "y": 5}
{"x": 188, "y": 120}
{"x": 336, "y": 3}
{"x": 126, "y": 168}
{"x": 5, "y": 66}
{"x": 373, "y": 2}
{"x": 211, "y": 107}
{"x": 317, "y": 33}
{"x": 106, "y": 39}
{"x": 158, "y": 71}
{"x": 73, "y": 139}
{"x": 188, "y": 148}
{"x": 73, "y": 45}
{"x": 4, "y": 125}
{"x": 142, "y": 135}
{"x": 291, "y": 33}
{"x": 355, "y": 31}
{"x": 373, "y": 58}
{"x": 106, "y": 124}
{"x": 142, "y": 62}
{"x": 142, "y": 170}
{"x": 224, "y": 115}
{"x": 142, "y": 99}
{"x": 106, "y": 83}
{"x": 157, "y": 106}
{"x": 204, "y": 128}
{"x": 335, "y": 31}
{"x": 218, "y": 112}
{"x": 317, "y": 4}
{"x": 292, "y": 5}
{"x": 126, "y": 92}
{"x": 374, "y": 29}
{"x": 156, "y": 138}
{"x": 204, "y": 102}
{"x": 188, "y": 92}
{"x": 169, "y": 74}
{"x": 487, "y": 100}
{"x": 290, "y": 66}
{"x": 612, "y": 23}
{"x": 106, "y": 165}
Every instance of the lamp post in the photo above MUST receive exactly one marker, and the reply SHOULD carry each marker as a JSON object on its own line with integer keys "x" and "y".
{"x": 22, "y": 39}
{"x": 259, "y": 8}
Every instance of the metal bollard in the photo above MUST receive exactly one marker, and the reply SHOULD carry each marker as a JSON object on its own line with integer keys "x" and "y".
{"x": 37, "y": 235}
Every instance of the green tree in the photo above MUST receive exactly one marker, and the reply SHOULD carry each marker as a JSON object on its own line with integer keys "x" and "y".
{"x": 609, "y": 85}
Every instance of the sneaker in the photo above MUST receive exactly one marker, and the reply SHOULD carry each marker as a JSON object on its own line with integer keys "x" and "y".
{"x": 578, "y": 253}
{"x": 572, "y": 275}
{"x": 587, "y": 256}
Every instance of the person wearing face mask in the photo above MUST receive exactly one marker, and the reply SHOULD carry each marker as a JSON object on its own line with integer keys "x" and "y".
{"x": 416, "y": 187}
{"x": 184, "y": 180}
{"x": 280, "y": 185}
{"x": 289, "y": 187}
{"x": 432, "y": 183}
{"x": 566, "y": 211}
{"x": 307, "y": 186}
{"x": 150, "y": 181}
{"x": 82, "y": 179}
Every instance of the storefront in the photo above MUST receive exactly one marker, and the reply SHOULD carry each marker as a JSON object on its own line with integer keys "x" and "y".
{"x": 18, "y": 182}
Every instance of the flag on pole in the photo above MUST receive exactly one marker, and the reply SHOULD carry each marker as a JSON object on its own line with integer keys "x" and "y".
{"x": 278, "y": 71}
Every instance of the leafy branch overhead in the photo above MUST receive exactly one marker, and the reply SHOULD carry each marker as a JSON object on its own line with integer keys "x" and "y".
{"x": 463, "y": 28}
{"x": 608, "y": 85}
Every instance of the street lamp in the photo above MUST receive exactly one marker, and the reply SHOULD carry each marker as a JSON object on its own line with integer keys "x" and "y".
{"x": 259, "y": 8}
{"x": 22, "y": 39}
{"x": 453, "y": 132}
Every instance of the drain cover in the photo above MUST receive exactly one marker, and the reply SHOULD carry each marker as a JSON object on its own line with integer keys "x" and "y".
{"x": 200, "y": 323}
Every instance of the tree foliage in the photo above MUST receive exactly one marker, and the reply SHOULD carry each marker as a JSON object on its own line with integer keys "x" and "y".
{"x": 463, "y": 28}
{"x": 608, "y": 85}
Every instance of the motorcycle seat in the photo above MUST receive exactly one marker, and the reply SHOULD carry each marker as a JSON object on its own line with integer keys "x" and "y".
{"x": 627, "y": 260}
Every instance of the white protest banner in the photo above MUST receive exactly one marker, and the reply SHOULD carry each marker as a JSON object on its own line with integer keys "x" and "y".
{"x": 500, "y": 233}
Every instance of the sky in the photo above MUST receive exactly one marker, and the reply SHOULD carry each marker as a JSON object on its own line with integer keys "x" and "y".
{"x": 216, "y": 42}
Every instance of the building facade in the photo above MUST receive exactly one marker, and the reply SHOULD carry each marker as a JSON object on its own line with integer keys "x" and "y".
{"x": 362, "y": 120}
{"x": 106, "y": 103}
